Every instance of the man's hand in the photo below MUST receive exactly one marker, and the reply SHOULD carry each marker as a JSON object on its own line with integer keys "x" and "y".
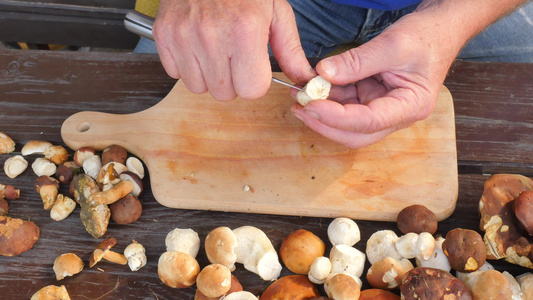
{"x": 222, "y": 46}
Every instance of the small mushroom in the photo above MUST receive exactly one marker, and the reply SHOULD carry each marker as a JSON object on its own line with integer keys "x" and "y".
{"x": 526, "y": 284}
{"x": 56, "y": 154}
{"x": 67, "y": 264}
{"x": 317, "y": 88}
{"x": 343, "y": 231}
{"x": 62, "y": 208}
{"x": 35, "y": 147}
{"x": 136, "y": 166}
{"x": 48, "y": 189}
{"x": 523, "y": 206}
{"x": 126, "y": 210}
{"x": 377, "y": 294}
{"x": 4, "y": 207}
{"x": 108, "y": 175}
{"x": 242, "y": 295}
{"x": 9, "y": 192}
{"x": 299, "y": 249}
{"x": 114, "y": 153}
{"x": 138, "y": 185}
{"x": 82, "y": 154}
{"x": 425, "y": 245}
{"x": 17, "y": 236}
{"x": 15, "y": 165}
{"x": 183, "y": 240}
{"x": 7, "y": 145}
{"x": 465, "y": 249}
{"x": 136, "y": 255}
{"x": 417, "y": 218}
{"x": 235, "y": 287}
{"x": 95, "y": 218}
{"x": 51, "y": 292}
{"x": 342, "y": 287}
{"x": 320, "y": 269}
{"x": 491, "y": 284}
{"x": 214, "y": 280}
{"x": 437, "y": 260}
{"x": 103, "y": 251}
{"x": 290, "y": 287}
{"x": 430, "y": 284}
{"x": 388, "y": 273}
{"x": 406, "y": 245}
{"x": 177, "y": 269}
{"x": 42, "y": 166}
{"x": 66, "y": 171}
{"x": 220, "y": 244}
{"x": 92, "y": 165}
{"x": 382, "y": 244}
{"x": 346, "y": 259}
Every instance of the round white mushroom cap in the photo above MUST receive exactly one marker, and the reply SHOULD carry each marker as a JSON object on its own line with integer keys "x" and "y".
{"x": 136, "y": 255}
{"x": 183, "y": 240}
{"x": 382, "y": 244}
{"x": 320, "y": 269}
{"x": 343, "y": 231}
{"x": 346, "y": 259}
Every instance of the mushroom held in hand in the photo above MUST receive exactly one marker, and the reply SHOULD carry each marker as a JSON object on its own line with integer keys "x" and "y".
{"x": 317, "y": 88}
{"x": 465, "y": 249}
{"x": 299, "y": 249}
{"x": 67, "y": 264}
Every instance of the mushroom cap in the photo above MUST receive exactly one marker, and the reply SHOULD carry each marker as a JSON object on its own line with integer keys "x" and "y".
{"x": 294, "y": 287}
{"x": 51, "y": 292}
{"x": 100, "y": 251}
{"x": 17, "y": 235}
{"x": 465, "y": 249}
{"x": 114, "y": 153}
{"x": 346, "y": 259}
{"x": 417, "y": 218}
{"x": 299, "y": 249}
{"x": 377, "y": 294}
{"x": 34, "y": 147}
{"x": 136, "y": 256}
{"x": 220, "y": 244}
{"x": 67, "y": 264}
{"x": 138, "y": 185}
{"x": 438, "y": 259}
{"x": 183, "y": 240}
{"x": 382, "y": 244}
{"x": 491, "y": 284}
{"x": 235, "y": 287}
{"x": 126, "y": 210}
{"x": 343, "y": 231}
{"x": 177, "y": 269}
{"x": 82, "y": 154}
{"x": 388, "y": 272}
{"x": 526, "y": 284}
{"x": 320, "y": 269}
{"x": 406, "y": 245}
{"x": 214, "y": 280}
{"x": 342, "y": 287}
{"x": 523, "y": 206}
{"x": 240, "y": 295}
{"x": 429, "y": 284}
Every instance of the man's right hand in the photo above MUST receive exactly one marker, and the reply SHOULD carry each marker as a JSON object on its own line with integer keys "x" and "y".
{"x": 222, "y": 46}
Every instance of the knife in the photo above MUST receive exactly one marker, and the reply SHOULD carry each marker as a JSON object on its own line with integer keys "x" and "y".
{"x": 142, "y": 24}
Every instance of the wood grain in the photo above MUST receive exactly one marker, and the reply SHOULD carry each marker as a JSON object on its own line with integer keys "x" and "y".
{"x": 254, "y": 156}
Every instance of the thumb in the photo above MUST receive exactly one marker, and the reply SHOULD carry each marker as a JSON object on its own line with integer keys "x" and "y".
{"x": 286, "y": 46}
{"x": 355, "y": 64}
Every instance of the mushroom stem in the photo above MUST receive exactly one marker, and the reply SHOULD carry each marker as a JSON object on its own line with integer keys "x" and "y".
{"x": 111, "y": 256}
{"x": 113, "y": 194}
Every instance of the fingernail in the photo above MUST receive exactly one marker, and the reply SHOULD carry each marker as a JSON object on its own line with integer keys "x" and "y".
{"x": 329, "y": 67}
{"x": 299, "y": 117}
{"x": 312, "y": 114}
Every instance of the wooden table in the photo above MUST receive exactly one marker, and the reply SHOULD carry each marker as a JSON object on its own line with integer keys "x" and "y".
{"x": 39, "y": 90}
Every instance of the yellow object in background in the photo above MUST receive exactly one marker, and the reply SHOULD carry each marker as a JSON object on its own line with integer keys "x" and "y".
{"x": 147, "y": 7}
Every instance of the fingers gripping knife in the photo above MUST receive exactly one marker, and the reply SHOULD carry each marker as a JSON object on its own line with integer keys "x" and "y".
{"x": 142, "y": 24}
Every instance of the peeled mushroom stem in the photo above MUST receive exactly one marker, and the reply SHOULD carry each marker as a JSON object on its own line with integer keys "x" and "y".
{"x": 102, "y": 252}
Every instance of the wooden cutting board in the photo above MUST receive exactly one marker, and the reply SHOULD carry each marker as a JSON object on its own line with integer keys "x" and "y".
{"x": 255, "y": 156}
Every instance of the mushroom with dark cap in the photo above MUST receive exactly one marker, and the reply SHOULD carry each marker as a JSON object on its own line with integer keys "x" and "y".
{"x": 432, "y": 284}
{"x": 48, "y": 189}
{"x": 103, "y": 251}
{"x": 465, "y": 249}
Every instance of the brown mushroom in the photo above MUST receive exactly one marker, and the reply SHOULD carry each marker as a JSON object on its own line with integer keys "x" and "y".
{"x": 17, "y": 236}
{"x": 4, "y": 207}
{"x": 377, "y": 294}
{"x": 417, "y": 218}
{"x": 67, "y": 264}
{"x": 491, "y": 284}
{"x": 465, "y": 249}
{"x": 342, "y": 287}
{"x": 82, "y": 154}
{"x": 51, "y": 292}
{"x": 48, "y": 189}
{"x": 103, "y": 251}
{"x": 177, "y": 269}
{"x": 126, "y": 210}
{"x": 7, "y": 145}
{"x": 294, "y": 287}
{"x": 299, "y": 249}
{"x": 523, "y": 209}
{"x": 138, "y": 185}
{"x": 66, "y": 171}
{"x": 114, "y": 153}
{"x": 388, "y": 273}
{"x": 432, "y": 284}
{"x": 56, "y": 154}
{"x": 235, "y": 287}
{"x": 9, "y": 192}
{"x": 220, "y": 244}
{"x": 214, "y": 280}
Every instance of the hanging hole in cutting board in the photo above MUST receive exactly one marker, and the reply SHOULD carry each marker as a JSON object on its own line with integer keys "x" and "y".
{"x": 84, "y": 127}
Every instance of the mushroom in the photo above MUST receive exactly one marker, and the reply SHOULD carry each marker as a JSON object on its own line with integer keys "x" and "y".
{"x": 425, "y": 245}
{"x": 299, "y": 249}
{"x": 92, "y": 165}
{"x": 382, "y": 244}
{"x": 7, "y": 145}
{"x": 220, "y": 244}
{"x": 343, "y": 231}
{"x": 234, "y": 288}
{"x": 103, "y": 251}
{"x": 135, "y": 165}
{"x": 317, "y": 88}
{"x": 491, "y": 284}
{"x": 42, "y": 166}
{"x": 214, "y": 280}
{"x": 290, "y": 287}
{"x": 430, "y": 284}
{"x": 183, "y": 240}
{"x": 320, "y": 269}
{"x": 136, "y": 256}
{"x": 9, "y": 192}
{"x": 406, "y": 245}
{"x": 240, "y": 295}
{"x": 342, "y": 287}
{"x": 126, "y": 210}
{"x": 62, "y": 208}
{"x": 388, "y": 273}
{"x": 47, "y": 187}
{"x": 67, "y": 264}
{"x": 114, "y": 153}
{"x": 526, "y": 284}
{"x": 56, "y": 154}
{"x": 417, "y": 218}
{"x": 523, "y": 206}
{"x": 465, "y": 249}
{"x": 51, "y": 292}
{"x": 17, "y": 236}
{"x": 377, "y": 294}
{"x": 108, "y": 175}
{"x": 82, "y": 154}
{"x": 177, "y": 269}
{"x": 468, "y": 277}
{"x": 4, "y": 207}
{"x": 346, "y": 259}
{"x": 95, "y": 218}
{"x": 437, "y": 260}
{"x": 516, "y": 291}
{"x": 138, "y": 185}
{"x": 66, "y": 171}
{"x": 35, "y": 147}
{"x": 256, "y": 252}
{"x": 15, "y": 165}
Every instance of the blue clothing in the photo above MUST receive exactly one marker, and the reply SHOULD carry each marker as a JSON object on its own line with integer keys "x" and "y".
{"x": 382, "y": 5}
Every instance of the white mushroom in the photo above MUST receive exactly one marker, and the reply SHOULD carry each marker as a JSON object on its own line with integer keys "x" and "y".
{"x": 515, "y": 286}
{"x": 183, "y": 240}
{"x": 136, "y": 166}
{"x": 15, "y": 165}
{"x": 35, "y": 147}
{"x": 406, "y": 245}
{"x": 343, "y": 231}
{"x": 136, "y": 255}
{"x": 425, "y": 245}
{"x": 526, "y": 284}
{"x": 382, "y": 244}
{"x": 220, "y": 245}
{"x": 92, "y": 165}
{"x": 62, "y": 208}
{"x": 42, "y": 166}
{"x": 317, "y": 88}
{"x": 320, "y": 269}
{"x": 240, "y": 295}
{"x": 346, "y": 259}
{"x": 438, "y": 259}
{"x": 388, "y": 273}
{"x": 256, "y": 252}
